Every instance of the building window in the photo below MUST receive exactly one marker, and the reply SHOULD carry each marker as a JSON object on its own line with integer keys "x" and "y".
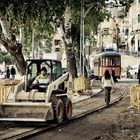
{"x": 138, "y": 45}
{"x": 56, "y": 42}
{"x": 126, "y": 31}
{"x": 138, "y": 18}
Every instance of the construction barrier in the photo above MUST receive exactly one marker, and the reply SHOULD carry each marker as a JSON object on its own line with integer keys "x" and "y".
{"x": 79, "y": 84}
{"x": 6, "y": 86}
{"x": 3, "y": 91}
{"x": 135, "y": 96}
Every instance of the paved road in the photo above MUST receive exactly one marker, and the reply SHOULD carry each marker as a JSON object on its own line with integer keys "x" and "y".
{"x": 126, "y": 80}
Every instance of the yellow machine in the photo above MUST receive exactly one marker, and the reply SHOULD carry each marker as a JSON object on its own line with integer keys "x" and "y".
{"x": 25, "y": 104}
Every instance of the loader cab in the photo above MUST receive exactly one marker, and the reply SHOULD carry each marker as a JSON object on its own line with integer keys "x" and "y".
{"x": 33, "y": 69}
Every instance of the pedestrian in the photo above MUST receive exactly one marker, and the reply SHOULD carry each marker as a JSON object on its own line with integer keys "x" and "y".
{"x": 7, "y": 73}
{"x": 108, "y": 84}
{"x": 113, "y": 75}
{"x": 13, "y": 72}
{"x": 138, "y": 76}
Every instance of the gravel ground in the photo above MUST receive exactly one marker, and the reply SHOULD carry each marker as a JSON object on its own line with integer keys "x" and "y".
{"x": 117, "y": 122}
{"x": 126, "y": 128}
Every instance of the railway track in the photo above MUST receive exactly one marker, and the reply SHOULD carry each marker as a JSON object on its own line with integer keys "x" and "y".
{"x": 80, "y": 109}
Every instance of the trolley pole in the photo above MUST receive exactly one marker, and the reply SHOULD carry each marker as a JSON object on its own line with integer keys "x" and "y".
{"x": 83, "y": 33}
{"x": 81, "y": 38}
{"x": 33, "y": 44}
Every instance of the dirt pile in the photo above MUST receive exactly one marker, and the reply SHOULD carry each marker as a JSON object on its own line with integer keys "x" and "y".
{"x": 127, "y": 128}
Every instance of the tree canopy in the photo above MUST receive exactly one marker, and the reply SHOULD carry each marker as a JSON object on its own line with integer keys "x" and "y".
{"x": 39, "y": 15}
{"x": 126, "y": 4}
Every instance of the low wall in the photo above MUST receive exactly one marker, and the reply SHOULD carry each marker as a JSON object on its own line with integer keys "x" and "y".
{"x": 129, "y": 60}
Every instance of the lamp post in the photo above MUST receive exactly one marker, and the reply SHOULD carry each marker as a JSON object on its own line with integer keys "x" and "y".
{"x": 33, "y": 44}
{"x": 82, "y": 37}
{"x": 117, "y": 37}
{"x": 131, "y": 34}
{"x": 126, "y": 33}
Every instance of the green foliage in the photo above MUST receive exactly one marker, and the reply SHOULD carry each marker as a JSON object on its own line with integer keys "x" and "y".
{"x": 38, "y": 14}
{"x": 5, "y": 57}
{"x": 95, "y": 15}
{"x": 127, "y": 4}
{"x": 30, "y": 15}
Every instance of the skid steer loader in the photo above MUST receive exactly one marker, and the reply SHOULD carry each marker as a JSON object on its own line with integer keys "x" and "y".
{"x": 25, "y": 104}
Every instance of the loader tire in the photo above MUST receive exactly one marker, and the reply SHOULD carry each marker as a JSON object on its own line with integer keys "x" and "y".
{"x": 58, "y": 109}
{"x": 67, "y": 108}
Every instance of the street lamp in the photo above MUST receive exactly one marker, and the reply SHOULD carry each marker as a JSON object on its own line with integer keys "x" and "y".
{"x": 82, "y": 37}
{"x": 33, "y": 44}
{"x": 126, "y": 33}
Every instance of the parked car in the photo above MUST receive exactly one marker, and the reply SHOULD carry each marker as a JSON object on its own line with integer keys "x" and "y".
{"x": 133, "y": 71}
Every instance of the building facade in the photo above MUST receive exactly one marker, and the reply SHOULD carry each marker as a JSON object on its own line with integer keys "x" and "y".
{"x": 134, "y": 22}
{"x": 123, "y": 28}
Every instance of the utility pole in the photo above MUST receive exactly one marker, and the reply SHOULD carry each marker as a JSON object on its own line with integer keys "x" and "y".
{"x": 82, "y": 33}
{"x": 33, "y": 43}
{"x": 81, "y": 36}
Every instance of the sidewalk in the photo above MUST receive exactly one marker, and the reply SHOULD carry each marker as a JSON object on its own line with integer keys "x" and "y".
{"x": 80, "y": 97}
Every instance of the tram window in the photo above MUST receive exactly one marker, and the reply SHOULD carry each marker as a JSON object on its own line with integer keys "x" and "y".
{"x": 113, "y": 62}
{"x": 109, "y": 61}
{"x": 105, "y": 61}
{"x": 118, "y": 62}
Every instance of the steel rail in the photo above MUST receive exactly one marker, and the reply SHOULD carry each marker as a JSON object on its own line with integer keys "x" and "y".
{"x": 88, "y": 102}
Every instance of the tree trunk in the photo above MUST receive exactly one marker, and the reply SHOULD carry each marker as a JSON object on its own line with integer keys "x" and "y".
{"x": 5, "y": 27}
{"x": 15, "y": 49}
{"x": 8, "y": 40}
{"x": 71, "y": 60}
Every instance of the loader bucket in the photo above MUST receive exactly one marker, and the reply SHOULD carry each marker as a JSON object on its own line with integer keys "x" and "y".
{"x": 33, "y": 112}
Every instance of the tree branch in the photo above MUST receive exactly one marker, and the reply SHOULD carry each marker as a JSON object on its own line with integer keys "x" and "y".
{"x": 4, "y": 27}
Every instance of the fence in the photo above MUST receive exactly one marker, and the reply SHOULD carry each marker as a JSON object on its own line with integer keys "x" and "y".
{"x": 81, "y": 84}
{"x": 6, "y": 86}
{"x": 135, "y": 96}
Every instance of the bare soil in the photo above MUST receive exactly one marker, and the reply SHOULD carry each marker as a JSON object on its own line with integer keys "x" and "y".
{"x": 117, "y": 122}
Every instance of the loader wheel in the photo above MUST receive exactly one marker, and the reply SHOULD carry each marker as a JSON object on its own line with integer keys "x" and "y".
{"x": 67, "y": 108}
{"x": 58, "y": 109}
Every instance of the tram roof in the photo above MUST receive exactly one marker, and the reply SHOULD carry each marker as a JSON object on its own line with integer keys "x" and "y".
{"x": 108, "y": 53}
